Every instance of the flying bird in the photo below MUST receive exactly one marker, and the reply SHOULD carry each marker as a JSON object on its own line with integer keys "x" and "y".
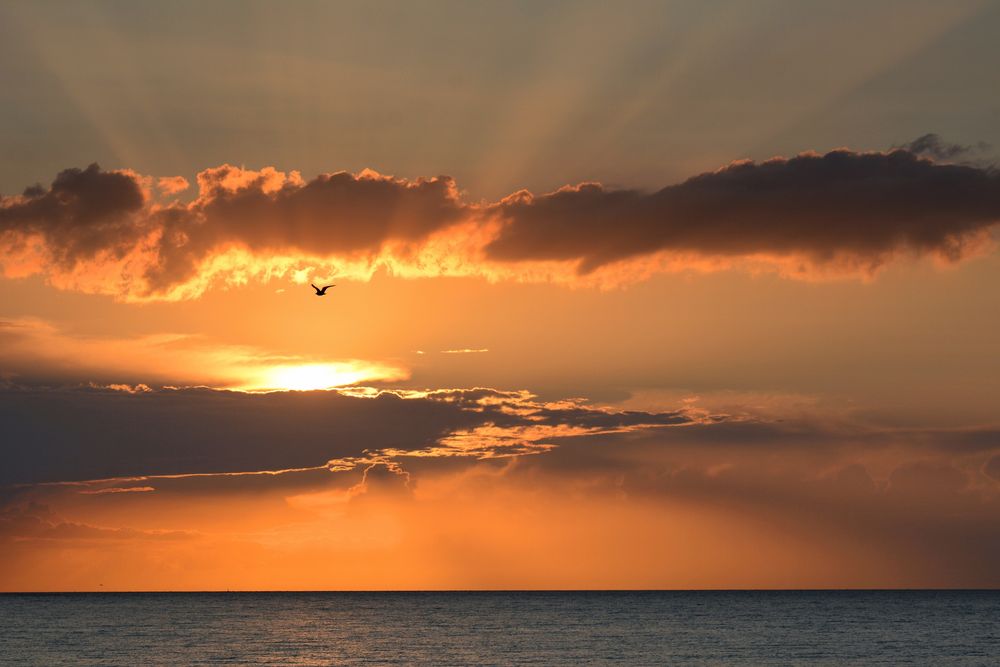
{"x": 321, "y": 292}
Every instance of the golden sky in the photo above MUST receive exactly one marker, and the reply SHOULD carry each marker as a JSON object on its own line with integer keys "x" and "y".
{"x": 693, "y": 295}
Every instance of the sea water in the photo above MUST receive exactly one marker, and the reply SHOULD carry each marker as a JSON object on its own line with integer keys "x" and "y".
{"x": 503, "y": 628}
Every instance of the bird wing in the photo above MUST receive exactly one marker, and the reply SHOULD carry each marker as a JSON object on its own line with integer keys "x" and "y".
{"x": 314, "y": 287}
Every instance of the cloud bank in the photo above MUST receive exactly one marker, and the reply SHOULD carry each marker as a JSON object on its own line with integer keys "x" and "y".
{"x": 471, "y": 488}
{"x": 845, "y": 212}
{"x": 108, "y": 433}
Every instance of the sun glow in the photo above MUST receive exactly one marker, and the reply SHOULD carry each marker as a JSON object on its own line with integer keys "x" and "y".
{"x": 309, "y": 377}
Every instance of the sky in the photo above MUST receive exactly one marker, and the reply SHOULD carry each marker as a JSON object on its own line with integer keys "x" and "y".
{"x": 669, "y": 295}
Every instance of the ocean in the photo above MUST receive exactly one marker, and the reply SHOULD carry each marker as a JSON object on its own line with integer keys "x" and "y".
{"x": 503, "y": 628}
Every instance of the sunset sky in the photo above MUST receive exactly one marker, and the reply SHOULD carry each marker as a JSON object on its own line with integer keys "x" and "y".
{"x": 628, "y": 295}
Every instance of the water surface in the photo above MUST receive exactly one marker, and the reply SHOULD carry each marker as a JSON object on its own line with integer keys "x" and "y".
{"x": 517, "y": 628}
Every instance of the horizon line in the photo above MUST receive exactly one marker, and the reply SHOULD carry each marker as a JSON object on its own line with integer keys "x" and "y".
{"x": 950, "y": 589}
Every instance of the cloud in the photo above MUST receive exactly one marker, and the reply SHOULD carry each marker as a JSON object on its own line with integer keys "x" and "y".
{"x": 933, "y": 146}
{"x": 86, "y": 214}
{"x": 98, "y": 231}
{"x": 992, "y": 468}
{"x": 171, "y": 185}
{"x": 102, "y": 434}
{"x": 842, "y": 213}
{"x": 461, "y": 488}
{"x": 118, "y": 489}
{"x": 267, "y": 212}
{"x": 839, "y": 210}
{"x": 37, "y": 521}
{"x": 386, "y": 478}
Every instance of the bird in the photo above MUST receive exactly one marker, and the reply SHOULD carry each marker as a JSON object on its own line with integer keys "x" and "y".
{"x": 321, "y": 292}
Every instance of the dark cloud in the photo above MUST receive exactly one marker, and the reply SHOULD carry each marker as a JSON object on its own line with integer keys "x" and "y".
{"x": 933, "y": 146}
{"x": 86, "y": 434}
{"x": 859, "y": 207}
{"x": 85, "y": 212}
{"x": 583, "y": 417}
{"x": 112, "y": 434}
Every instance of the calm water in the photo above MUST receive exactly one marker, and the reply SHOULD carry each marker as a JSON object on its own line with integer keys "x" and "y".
{"x": 649, "y": 628}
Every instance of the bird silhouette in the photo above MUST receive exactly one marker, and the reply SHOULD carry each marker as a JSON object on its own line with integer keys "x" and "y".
{"x": 321, "y": 292}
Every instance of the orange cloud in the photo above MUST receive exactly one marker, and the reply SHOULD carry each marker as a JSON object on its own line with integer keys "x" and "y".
{"x": 811, "y": 216}
{"x": 171, "y": 185}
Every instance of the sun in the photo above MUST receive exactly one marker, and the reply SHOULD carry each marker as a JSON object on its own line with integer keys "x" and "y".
{"x": 316, "y": 376}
